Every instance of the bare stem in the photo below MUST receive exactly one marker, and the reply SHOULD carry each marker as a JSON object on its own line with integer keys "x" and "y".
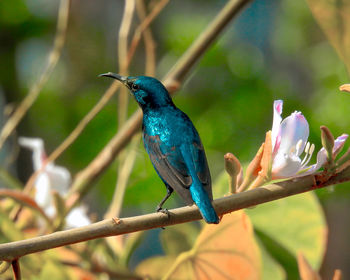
{"x": 123, "y": 101}
{"x": 123, "y": 177}
{"x": 127, "y": 162}
{"x": 14, "y": 250}
{"x": 124, "y": 31}
{"x": 16, "y": 269}
{"x": 150, "y": 54}
{"x": 35, "y": 90}
{"x": 141, "y": 29}
{"x": 4, "y": 266}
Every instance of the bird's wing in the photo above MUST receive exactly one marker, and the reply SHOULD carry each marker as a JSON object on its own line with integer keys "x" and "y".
{"x": 201, "y": 166}
{"x": 170, "y": 166}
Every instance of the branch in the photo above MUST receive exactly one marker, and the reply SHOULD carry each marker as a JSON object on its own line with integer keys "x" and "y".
{"x": 115, "y": 206}
{"x": 150, "y": 45}
{"x": 143, "y": 29}
{"x": 16, "y": 269}
{"x": 14, "y": 250}
{"x": 124, "y": 30}
{"x": 172, "y": 81}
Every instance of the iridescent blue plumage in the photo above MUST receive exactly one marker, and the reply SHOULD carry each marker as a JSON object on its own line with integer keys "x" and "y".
{"x": 173, "y": 145}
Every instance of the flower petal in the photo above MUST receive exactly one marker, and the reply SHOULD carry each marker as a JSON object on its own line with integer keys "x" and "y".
{"x": 322, "y": 155}
{"x": 37, "y": 146}
{"x": 321, "y": 160}
{"x": 284, "y": 166}
{"x": 60, "y": 178}
{"x": 293, "y": 129}
{"x": 77, "y": 218}
{"x": 276, "y": 124}
{"x": 339, "y": 143}
{"x": 42, "y": 187}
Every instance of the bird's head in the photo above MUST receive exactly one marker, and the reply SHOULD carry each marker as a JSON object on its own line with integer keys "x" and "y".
{"x": 148, "y": 91}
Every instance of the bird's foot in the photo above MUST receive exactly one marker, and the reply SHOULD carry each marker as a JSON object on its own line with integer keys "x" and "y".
{"x": 163, "y": 210}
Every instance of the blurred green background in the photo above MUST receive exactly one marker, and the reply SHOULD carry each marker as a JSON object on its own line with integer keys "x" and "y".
{"x": 273, "y": 50}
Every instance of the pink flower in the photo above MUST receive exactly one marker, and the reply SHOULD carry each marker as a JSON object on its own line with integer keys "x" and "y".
{"x": 289, "y": 141}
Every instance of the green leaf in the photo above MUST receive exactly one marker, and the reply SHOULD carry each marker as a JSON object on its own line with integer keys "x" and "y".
{"x": 179, "y": 238}
{"x": 279, "y": 254}
{"x": 295, "y": 223}
{"x": 271, "y": 268}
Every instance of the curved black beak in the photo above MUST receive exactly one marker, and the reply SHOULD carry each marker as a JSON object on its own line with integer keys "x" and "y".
{"x": 118, "y": 77}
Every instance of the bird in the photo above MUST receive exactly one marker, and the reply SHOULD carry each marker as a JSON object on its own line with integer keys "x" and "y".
{"x": 173, "y": 145}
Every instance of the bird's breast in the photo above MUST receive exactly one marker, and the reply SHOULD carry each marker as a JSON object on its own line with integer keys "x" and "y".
{"x": 172, "y": 128}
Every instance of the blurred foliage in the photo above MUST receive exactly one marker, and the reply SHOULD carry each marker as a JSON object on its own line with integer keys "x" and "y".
{"x": 213, "y": 255}
{"x": 333, "y": 19}
{"x": 274, "y": 50}
{"x": 284, "y": 228}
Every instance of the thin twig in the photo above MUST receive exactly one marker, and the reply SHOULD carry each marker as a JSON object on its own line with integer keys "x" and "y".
{"x": 86, "y": 177}
{"x": 123, "y": 177}
{"x": 124, "y": 31}
{"x": 75, "y": 133}
{"x": 143, "y": 26}
{"x": 150, "y": 53}
{"x": 128, "y": 162}
{"x": 71, "y": 137}
{"x": 4, "y": 266}
{"x": 123, "y": 101}
{"x": 13, "y": 250}
{"x": 16, "y": 269}
{"x": 35, "y": 90}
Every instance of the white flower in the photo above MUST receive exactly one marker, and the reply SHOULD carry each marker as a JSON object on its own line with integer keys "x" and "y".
{"x": 289, "y": 140}
{"x": 52, "y": 178}
{"x": 77, "y": 218}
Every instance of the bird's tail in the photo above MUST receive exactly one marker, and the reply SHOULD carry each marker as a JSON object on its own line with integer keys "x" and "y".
{"x": 202, "y": 200}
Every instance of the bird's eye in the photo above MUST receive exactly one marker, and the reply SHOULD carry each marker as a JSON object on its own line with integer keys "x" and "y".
{"x": 134, "y": 87}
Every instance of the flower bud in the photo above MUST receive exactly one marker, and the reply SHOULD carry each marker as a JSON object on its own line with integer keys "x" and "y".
{"x": 233, "y": 168}
{"x": 345, "y": 87}
{"x": 327, "y": 139}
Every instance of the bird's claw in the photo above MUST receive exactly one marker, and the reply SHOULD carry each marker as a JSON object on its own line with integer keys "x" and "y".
{"x": 163, "y": 210}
